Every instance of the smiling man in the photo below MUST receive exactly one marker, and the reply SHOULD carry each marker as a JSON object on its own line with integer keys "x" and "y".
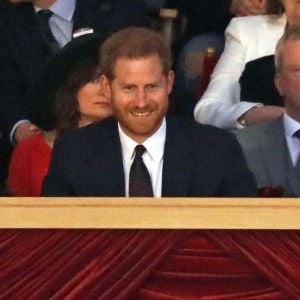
{"x": 140, "y": 95}
{"x": 141, "y": 151}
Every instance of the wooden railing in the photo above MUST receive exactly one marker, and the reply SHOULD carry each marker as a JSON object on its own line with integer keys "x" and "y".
{"x": 71, "y": 248}
{"x": 160, "y": 213}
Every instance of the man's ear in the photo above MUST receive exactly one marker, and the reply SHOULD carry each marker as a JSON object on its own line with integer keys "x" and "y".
{"x": 170, "y": 81}
{"x": 104, "y": 83}
{"x": 278, "y": 84}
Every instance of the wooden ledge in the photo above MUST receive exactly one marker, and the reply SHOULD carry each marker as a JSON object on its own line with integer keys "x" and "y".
{"x": 143, "y": 213}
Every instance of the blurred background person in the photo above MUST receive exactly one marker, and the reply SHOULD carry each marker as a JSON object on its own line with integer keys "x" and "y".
{"x": 257, "y": 80}
{"x": 247, "y": 38}
{"x": 272, "y": 149}
{"x": 204, "y": 28}
{"x": 68, "y": 95}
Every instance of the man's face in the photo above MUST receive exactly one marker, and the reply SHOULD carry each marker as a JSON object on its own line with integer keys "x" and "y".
{"x": 288, "y": 81}
{"x": 139, "y": 95}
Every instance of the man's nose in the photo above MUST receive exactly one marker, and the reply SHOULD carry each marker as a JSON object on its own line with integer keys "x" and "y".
{"x": 141, "y": 98}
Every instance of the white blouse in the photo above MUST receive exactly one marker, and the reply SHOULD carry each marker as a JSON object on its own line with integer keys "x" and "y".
{"x": 247, "y": 38}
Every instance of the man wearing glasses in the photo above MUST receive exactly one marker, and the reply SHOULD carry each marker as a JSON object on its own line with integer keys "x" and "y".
{"x": 272, "y": 149}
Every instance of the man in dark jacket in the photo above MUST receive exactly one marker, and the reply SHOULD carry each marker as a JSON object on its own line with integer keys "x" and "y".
{"x": 141, "y": 152}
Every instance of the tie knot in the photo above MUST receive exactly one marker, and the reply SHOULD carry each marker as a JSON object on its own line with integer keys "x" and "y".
{"x": 297, "y": 134}
{"x": 139, "y": 151}
{"x": 45, "y": 15}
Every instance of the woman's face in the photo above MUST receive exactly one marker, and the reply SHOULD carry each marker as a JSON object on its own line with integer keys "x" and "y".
{"x": 94, "y": 104}
{"x": 292, "y": 11}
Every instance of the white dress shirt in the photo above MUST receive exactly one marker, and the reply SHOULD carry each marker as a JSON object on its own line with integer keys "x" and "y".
{"x": 153, "y": 157}
{"x": 290, "y": 127}
{"x": 247, "y": 38}
{"x": 61, "y": 22}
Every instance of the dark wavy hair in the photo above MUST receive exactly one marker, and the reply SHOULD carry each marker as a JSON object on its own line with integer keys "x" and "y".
{"x": 54, "y": 94}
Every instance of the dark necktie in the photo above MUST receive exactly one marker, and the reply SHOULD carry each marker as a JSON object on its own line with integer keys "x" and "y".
{"x": 51, "y": 43}
{"x": 297, "y": 135}
{"x": 139, "y": 179}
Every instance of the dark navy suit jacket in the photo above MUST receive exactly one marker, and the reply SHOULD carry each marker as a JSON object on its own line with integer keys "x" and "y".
{"x": 199, "y": 161}
{"x": 22, "y": 53}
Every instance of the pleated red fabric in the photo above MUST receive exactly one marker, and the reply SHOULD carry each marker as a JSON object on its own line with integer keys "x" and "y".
{"x": 149, "y": 264}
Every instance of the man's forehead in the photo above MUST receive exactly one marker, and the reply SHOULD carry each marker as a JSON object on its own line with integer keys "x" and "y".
{"x": 152, "y": 61}
{"x": 154, "y": 56}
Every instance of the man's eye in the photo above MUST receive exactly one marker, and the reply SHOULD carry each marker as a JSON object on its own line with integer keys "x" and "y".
{"x": 152, "y": 87}
{"x": 128, "y": 88}
{"x": 296, "y": 72}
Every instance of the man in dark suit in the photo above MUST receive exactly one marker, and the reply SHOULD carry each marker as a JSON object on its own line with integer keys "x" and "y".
{"x": 181, "y": 158}
{"x": 23, "y": 53}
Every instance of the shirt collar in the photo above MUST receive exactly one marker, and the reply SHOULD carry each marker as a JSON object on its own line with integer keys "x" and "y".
{"x": 62, "y": 8}
{"x": 154, "y": 144}
{"x": 290, "y": 125}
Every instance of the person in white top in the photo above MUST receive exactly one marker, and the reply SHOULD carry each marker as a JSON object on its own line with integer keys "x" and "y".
{"x": 272, "y": 149}
{"x": 247, "y": 38}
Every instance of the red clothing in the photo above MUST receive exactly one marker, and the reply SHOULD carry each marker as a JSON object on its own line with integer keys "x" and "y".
{"x": 28, "y": 167}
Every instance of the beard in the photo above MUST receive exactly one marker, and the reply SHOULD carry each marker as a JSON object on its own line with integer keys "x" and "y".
{"x": 139, "y": 124}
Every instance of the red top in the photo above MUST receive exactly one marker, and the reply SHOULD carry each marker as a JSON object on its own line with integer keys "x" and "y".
{"x": 28, "y": 167}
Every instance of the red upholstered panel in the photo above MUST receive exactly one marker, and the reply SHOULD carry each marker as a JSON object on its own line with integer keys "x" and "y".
{"x": 149, "y": 264}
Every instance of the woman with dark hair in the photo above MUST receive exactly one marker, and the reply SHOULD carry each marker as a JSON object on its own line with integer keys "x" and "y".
{"x": 68, "y": 94}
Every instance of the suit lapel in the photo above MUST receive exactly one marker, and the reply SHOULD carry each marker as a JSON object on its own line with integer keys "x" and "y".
{"x": 177, "y": 164}
{"x": 107, "y": 172}
{"x": 84, "y": 15}
{"x": 293, "y": 181}
{"x": 274, "y": 149}
{"x": 277, "y": 158}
